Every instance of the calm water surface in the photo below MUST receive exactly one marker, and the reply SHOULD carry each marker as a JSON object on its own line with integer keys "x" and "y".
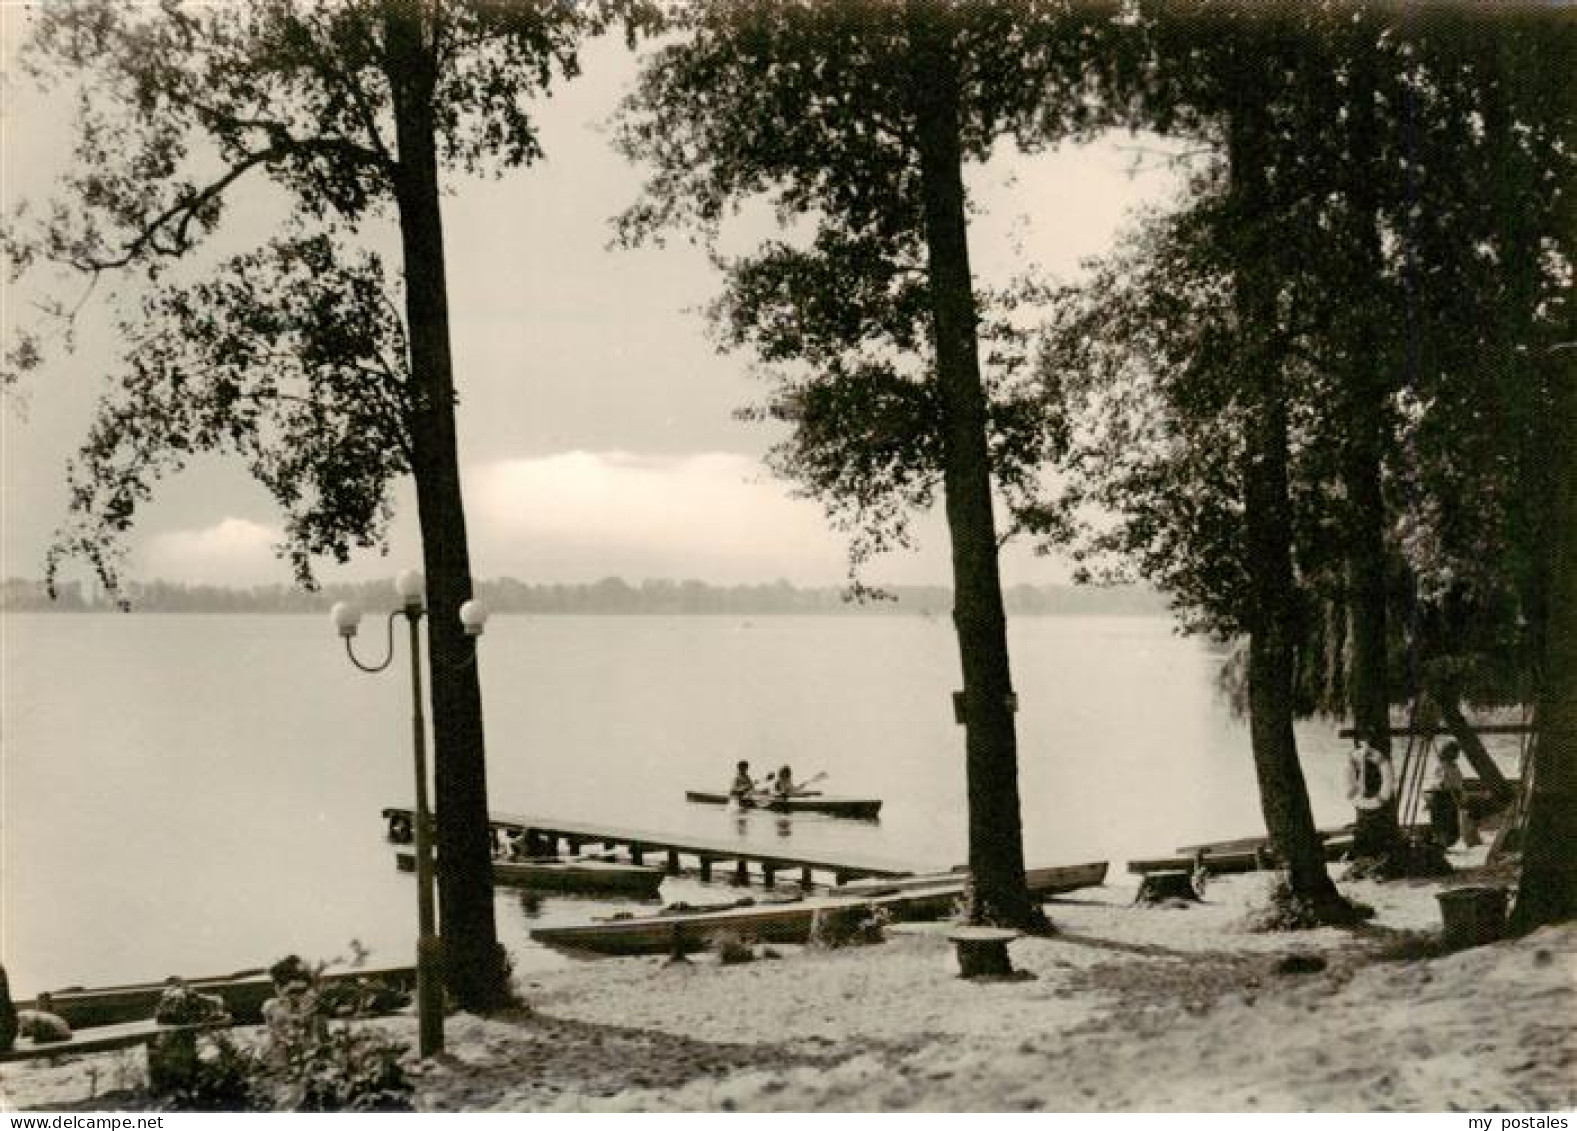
{"x": 198, "y": 794}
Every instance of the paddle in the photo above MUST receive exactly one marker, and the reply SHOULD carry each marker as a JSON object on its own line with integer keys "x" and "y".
{"x": 801, "y": 791}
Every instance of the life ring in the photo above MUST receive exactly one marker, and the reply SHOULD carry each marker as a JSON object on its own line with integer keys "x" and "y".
{"x": 1355, "y": 784}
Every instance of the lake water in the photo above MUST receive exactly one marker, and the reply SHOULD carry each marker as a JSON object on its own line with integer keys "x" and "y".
{"x": 198, "y": 794}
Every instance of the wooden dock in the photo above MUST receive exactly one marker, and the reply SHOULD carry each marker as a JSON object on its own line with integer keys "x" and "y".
{"x": 749, "y": 862}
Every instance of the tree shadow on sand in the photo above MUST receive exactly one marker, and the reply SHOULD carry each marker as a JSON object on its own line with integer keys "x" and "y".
{"x": 552, "y": 1056}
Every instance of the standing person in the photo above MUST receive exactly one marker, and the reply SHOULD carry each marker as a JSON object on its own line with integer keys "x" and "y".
{"x": 1450, "y": 782}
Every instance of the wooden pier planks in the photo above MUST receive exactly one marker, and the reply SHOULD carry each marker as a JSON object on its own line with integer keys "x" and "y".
{"x": 707, "y": 851}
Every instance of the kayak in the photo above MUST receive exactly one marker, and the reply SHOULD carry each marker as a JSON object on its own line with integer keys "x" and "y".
{"x": 864, "y": 808}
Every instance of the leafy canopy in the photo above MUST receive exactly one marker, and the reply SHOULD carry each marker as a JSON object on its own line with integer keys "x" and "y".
{"x": 1450, "y": 138}
{"x": 810, "y": 109}
{"x": 290, "y": 355}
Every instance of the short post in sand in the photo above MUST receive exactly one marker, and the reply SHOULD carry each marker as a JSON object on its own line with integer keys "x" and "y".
{"x": 429, "y": 967}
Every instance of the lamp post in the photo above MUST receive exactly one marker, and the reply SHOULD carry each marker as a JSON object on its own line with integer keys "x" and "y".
{"x": 473, "y": 616}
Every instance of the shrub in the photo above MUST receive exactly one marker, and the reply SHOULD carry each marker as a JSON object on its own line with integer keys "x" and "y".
{"x": 307, "y": 1064}
{"x": 316, "y": 1067}
{"x": 857, "y": 925}
{"x": 179, "y": 1004}
{"x": 1289, "y": 912}
{"x": 505, "y": 994}
{"x": 231, "y": 1078}
{"x": 732, "y": 949}
{"x": 346, "y": 1070}
{"x": 360, "y": 998}
{"x": 1414, "y": 857}
{"x": 340, "y": 1070}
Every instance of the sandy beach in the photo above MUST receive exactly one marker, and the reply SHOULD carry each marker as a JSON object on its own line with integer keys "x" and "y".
{"x": 1125, "y": 1008}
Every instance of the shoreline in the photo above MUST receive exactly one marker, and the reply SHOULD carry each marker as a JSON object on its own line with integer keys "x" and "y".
{"x": 1125, "y": 1008}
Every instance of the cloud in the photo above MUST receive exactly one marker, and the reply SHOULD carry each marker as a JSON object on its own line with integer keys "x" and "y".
{"x": 233, "y": 551}
{"x": 570, "y": 516}
{"x": 578, "y": 516}
{"x": 581, "y": 515}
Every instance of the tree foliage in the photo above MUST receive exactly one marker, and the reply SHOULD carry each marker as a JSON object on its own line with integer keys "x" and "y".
{"x": 1415, "y": 249}
{"x": 285, "y": 358}
{"x": 809, "y": 107}
{"x": 1489, "y": 260}
{"x": 349, "y": 111}
{"x": 179, "y": 108}
{"x": 904, "y": 384}
{"x": 181, "y": 101}
{"x": 1452, "y": 319}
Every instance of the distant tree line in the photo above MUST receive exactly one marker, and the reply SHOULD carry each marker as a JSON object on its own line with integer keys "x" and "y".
{"x": 611, "y": 595}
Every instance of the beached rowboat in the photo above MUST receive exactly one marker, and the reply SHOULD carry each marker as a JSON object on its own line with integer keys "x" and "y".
{"x": 1053, "y": 880}
{"x": 791, "y": 921}
{"x": 243, "y": 994}
{"x": 863, "y": 808}
{"x": 579, "y": 875}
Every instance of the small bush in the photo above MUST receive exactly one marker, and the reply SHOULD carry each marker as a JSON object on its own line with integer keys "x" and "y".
{"x": 318, "y": 1068}
{"x": 1410, "y": 946}
{"x": 1412, "y": 858}
{"x": 1298, "y": 963}
{"x": 859, "y": 925}
{"x": 228, "y": 1078}
{"x": 1289, "y": 912}
{"x": 732, "y": 949}
{"x": 343, "y": 1070}
{"x": 346, "y": 1071}
{"x": 307, "y": 1065}
{"x": 505, "y": 994}
{"x": 363, "y": 997}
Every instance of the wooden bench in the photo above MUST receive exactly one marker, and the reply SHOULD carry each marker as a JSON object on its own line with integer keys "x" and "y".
{"x": 983, "y": 951}
{"x": 101, "y": 1038}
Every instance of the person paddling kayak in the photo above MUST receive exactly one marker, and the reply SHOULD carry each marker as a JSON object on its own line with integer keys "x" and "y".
{"x": 783, "y": 785}
{"x": 744, "y": 786}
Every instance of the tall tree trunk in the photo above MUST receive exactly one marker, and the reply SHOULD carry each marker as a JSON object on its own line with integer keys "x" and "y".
{"x": 996, "y": 843}
{"x": 474, "y": 968}
{"x": 1548, "y": 889}
{"x": 1376, "y": 834}
{"x": 1515, "y": 89}
{"x": 1272, "y": 616}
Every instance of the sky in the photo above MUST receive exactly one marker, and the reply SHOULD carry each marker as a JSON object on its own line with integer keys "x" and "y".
{"x": 596, "y": 417}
